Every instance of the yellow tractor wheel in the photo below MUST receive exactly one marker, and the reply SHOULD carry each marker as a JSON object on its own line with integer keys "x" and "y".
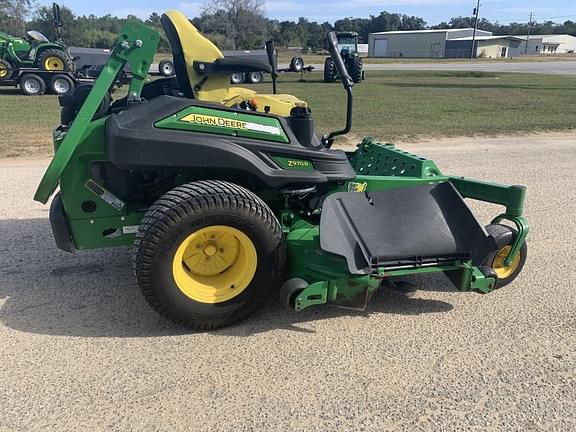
{"x": 53, "y": 60}
{"x": 6, "y": 70}
{"x": 214, "y": 264}
{"x": 208, "y": 254}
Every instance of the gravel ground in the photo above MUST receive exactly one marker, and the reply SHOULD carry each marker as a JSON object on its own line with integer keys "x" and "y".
{"x": 82, "y": 351}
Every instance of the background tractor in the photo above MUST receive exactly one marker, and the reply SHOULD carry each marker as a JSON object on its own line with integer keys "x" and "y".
{"x": 34, "y": 51}
{"x": 348, "y": 48}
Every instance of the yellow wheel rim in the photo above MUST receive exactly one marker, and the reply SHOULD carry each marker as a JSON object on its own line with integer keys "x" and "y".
{"x": 3, "y": 71}
{"x": 53, "y": 64}
{"x": 214, "y": 264}
{"x": 501, "y": 270}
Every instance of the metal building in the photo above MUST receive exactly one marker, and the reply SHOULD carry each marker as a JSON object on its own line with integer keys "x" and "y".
{"x": 548, "y": 44}
{"x": 486, "y": 47}
{"x": 416, "y": 43}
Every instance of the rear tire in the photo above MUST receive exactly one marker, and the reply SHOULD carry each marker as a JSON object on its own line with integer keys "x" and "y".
{"x": 6, "y": 70}
{"x": 32, "y": 85}
{"x": 166, "y": 68}
{"x": 61, "y": 85}
{"x": 296, "y": 64}
{"x": 329, "y": 70}
{"x": 356, "y": 72}
{"x": 255, "y": 77}
{"x": 54, "y": 60}
{"x": 187, "y": 211}
{"x": 237, "y": 78}
{"x": 504, "y": 236}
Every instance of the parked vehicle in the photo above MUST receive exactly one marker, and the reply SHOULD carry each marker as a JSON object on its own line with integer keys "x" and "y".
{"x": 34, "y": 51}
{"x": 348, "y": 48}
{"x": 38, "y": 66}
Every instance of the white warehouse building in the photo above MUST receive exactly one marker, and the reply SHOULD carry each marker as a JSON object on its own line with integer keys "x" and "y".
{"x": 548, "y": 44}
{"x": 416, "y": 43}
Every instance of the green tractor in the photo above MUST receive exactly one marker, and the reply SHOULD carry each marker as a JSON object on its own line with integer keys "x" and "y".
{"x": 227, "y": 195}
{"x": 34, "y": 51}
{"x": 348, "y": 47}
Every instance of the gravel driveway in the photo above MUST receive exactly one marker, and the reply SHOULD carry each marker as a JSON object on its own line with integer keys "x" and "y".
{"x": 80, "y": 349}
{"x": 563, "y": 67}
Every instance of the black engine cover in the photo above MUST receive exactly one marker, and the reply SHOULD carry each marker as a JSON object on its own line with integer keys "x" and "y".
{"x": 132, "y": 141}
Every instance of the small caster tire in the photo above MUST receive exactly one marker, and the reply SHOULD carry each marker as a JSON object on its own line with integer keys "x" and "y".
{"x": 290, "y": 290}
{"x": 504, "y": 237}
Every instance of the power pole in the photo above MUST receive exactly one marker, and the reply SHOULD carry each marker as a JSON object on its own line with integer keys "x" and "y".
{"x": 476, "y": 13}
{"x": 529, "y": 31}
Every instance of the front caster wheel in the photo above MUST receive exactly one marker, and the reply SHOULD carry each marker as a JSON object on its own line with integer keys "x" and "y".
{"x": 208, "y": 254}
{"x": 290, "y": 291}
{"x": 504, "y": 237}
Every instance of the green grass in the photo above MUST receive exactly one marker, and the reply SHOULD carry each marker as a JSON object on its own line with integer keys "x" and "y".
{"x": 26, "y": 123}
{"x": 406, "y": 105}
{"x": 390, "y": 106}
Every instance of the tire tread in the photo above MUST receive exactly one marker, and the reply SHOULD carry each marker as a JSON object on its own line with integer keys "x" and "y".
{"x": 169, "y": 210}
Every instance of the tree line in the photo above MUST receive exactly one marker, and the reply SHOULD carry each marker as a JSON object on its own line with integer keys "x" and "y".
{"x": 241, "y": 24}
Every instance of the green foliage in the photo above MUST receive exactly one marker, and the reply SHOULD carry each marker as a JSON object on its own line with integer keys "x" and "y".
{"x": 240, "y": 23}
{"x": 424, "y": 104}
{"x": 13, "y": 14}
{"x": 514, "y": 28}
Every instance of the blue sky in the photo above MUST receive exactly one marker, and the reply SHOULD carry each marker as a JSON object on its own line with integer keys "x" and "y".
{"x": 433, "y": 11}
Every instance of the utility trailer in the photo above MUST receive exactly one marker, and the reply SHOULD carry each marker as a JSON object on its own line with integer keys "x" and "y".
{"x": 166, "y": 67}
{"x": 296, "y": 65}
{"x": 35, "y": 82}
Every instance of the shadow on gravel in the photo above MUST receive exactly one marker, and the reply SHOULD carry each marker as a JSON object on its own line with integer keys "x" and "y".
{"x": 93, "y": 294}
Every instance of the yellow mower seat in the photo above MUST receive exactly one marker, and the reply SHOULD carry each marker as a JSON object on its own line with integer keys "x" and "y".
{"x": 190, "y": 47}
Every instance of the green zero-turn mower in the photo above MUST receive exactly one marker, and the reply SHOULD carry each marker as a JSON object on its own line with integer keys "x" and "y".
{"x": 227, "y": 195}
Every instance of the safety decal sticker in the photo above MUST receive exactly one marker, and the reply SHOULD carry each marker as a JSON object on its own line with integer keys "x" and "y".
{"x": 357, "y": 187}
{"x": 104, "y": 194}
{"x": 130, "y": 229}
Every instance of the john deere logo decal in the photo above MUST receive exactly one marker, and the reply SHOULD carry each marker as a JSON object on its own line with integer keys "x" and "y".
{"x": 357, "y": 187}
{"x": 207, "y": 120}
